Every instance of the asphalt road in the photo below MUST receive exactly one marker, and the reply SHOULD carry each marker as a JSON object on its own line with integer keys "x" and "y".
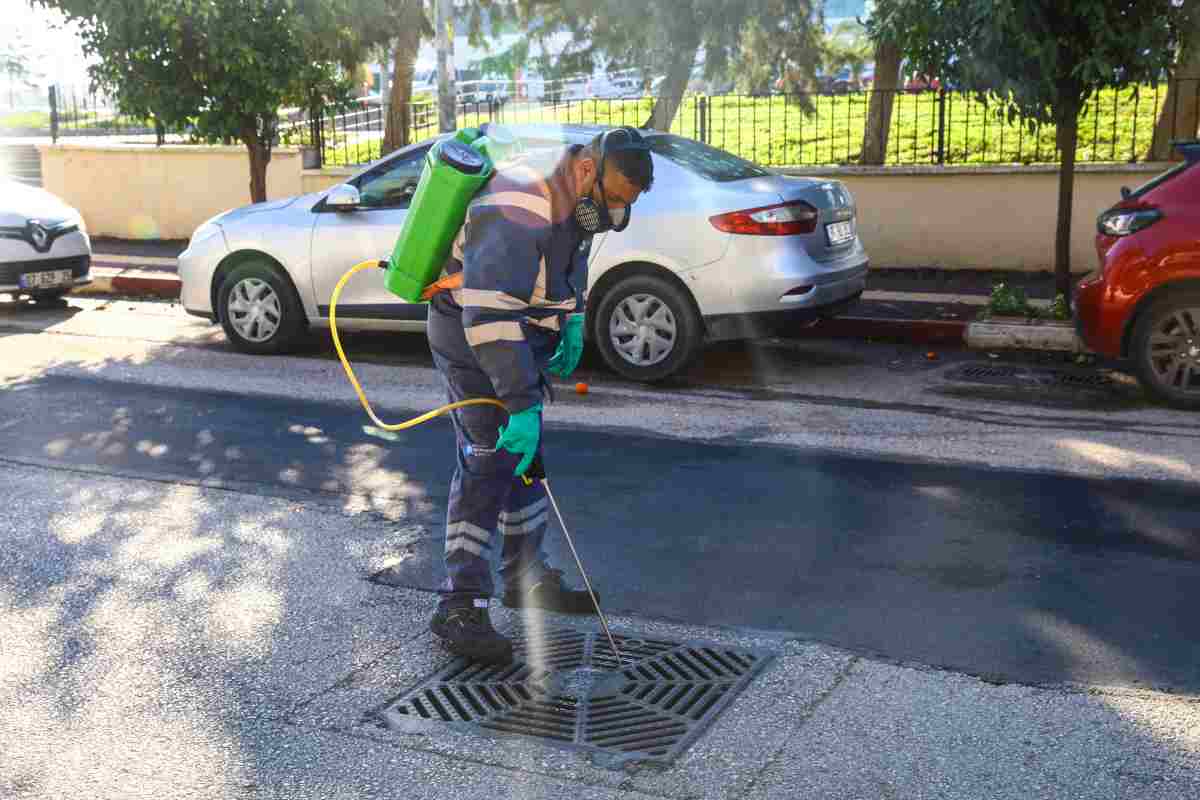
{"x": 1028, "y": 577}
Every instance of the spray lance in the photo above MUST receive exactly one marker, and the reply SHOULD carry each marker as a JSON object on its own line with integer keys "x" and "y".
{"x": 456, "y": 168}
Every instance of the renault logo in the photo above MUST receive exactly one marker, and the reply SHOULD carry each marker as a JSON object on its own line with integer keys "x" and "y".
{"x": 39, "y": 236}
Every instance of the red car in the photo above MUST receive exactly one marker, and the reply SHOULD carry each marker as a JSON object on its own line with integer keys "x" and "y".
{"x": 1143, "y": 303}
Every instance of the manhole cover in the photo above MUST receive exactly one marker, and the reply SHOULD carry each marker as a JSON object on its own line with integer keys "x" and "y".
{"x": 565, "y": 688}
{"x": 1013, "y": 375}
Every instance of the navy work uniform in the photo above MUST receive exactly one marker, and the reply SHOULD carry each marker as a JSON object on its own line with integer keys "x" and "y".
{"x": 523, "y": 261}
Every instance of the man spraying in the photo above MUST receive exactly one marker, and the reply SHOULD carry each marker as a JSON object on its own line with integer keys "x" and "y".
{"x": 518, "y": 314}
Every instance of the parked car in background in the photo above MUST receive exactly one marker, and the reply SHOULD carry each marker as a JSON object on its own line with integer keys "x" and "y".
{"x": 922, "y": 83}
{"x": 839, "y": 82}
{"x": 1143, "y": 301}
{"x": 718, "y": 249}
{"x": 44, "y": 247}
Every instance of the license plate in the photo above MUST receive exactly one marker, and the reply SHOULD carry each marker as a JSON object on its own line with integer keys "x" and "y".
{"x": 840, "y": 232}
{"x": 43, "y": 280}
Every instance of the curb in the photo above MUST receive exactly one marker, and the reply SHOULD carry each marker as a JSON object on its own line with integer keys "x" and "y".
{"x": 1024, "y": 335}
{"x": 130, "y": 282}
{"x": 1015, "y": 334}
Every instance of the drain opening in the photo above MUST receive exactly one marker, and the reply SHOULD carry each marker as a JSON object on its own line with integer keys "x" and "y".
{"x": 1013, "y": 375}
{"x": 566, "y": 689}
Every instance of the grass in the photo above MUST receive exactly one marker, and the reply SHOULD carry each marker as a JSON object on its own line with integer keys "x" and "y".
{"x": 69, "y": 120}
{"x": 25, "y": 119}
{"x": 1116, "y": 126}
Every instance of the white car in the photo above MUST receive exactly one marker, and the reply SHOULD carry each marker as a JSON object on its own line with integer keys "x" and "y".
{"x": 719, "y": 248}
{"x": 44, "y": 247}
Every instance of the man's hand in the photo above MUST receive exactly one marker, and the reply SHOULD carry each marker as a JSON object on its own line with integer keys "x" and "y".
{"x": 570, "y": 348}
{"x": 521, "y": 436}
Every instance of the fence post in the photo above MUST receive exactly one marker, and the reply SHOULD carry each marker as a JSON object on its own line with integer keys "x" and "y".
{"x": 53, "y": 114}
{"x": 702, "y": 109}
{"x": 941, "y": 151}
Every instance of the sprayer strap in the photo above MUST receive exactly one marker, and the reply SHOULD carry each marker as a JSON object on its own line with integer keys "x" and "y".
{"x": 448, "y": 283}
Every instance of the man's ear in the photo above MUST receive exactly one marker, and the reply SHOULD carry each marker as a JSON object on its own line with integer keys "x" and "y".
{"x": 585, "y": 172}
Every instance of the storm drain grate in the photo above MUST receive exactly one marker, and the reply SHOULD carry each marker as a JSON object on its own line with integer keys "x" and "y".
{"x": 1012, "y": 375}
{"x": 565, "y": 688}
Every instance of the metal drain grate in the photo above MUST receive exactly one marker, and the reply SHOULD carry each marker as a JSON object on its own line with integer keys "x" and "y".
{"x": 1012, "y": 375}
{"x": 565, "y": 688}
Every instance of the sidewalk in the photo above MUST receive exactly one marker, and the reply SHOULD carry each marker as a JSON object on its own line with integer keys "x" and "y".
{"x": 281, "y": 679}
{"x": 923, "y": 306}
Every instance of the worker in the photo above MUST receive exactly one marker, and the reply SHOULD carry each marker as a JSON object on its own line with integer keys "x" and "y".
{"x": 517, "y": 314}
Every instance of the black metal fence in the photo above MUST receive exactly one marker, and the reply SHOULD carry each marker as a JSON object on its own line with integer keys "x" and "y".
{"x": 77, "y": 114}
{"x": 931, "y": 126}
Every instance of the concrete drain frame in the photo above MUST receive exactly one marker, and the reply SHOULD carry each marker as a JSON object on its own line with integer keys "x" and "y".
{"x": 564, "y": 688}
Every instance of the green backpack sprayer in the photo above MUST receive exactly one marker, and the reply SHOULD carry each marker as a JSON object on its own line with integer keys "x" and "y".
{"x": 455, "y": 170}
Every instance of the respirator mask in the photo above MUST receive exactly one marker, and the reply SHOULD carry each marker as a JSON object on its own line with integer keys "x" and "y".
{"x": 593, "y": 217}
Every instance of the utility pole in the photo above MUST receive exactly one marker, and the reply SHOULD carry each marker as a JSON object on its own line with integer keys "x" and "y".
{"x": 447, "y": 99}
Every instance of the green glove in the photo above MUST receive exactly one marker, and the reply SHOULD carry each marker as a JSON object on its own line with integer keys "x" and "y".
{"x": 521, "y": 435}
{"x": 570, "y": 348}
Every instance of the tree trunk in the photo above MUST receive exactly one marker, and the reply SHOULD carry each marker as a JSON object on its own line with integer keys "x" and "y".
{"x": 447, "y": 80}
{"x": 883, "y": 99}
{"x": 399, "y": 121}
{"x": 1068, "y": 140}
{"x": 1180, "y": 115}
{"x": 666, "y": 105}
{"x": 259, "y": 150}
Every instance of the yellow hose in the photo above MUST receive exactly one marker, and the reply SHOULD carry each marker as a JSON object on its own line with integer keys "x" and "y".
{"x": 362, "y": 397}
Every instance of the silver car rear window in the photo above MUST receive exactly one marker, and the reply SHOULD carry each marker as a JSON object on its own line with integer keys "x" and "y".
{"x": 707, "y": 162}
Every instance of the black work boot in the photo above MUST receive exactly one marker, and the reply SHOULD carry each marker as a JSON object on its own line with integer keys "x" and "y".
{"x": 551, "y": 594}
{"x": 467, "y": 631}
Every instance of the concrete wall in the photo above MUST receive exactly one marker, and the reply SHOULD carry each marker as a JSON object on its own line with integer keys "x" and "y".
{"x": 979, "y": 217}
{"x": 316, "y": 180}
{"x": 951, "y": 217}
{"x": 139, "y": 191}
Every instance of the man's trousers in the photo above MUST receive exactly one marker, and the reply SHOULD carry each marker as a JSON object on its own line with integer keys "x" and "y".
{"x": 486, "y": 498}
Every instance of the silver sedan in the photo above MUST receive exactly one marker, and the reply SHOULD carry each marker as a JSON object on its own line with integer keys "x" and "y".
{"x": 720, "y": 248}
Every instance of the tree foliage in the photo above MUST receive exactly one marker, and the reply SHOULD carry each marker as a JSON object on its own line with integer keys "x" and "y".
{"x": 659, "y": 37}
{"x": 1180, "y": 115}
{"x": 781, "y": 44}
{"x": 1039, "y": 60}
{"x": 848, "y": 47}
{"x": 217, "y": 69}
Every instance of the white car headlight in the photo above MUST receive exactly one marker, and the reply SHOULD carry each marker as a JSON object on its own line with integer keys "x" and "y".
{"x": 76, "y": 220}
{"x": 205, "y": 231}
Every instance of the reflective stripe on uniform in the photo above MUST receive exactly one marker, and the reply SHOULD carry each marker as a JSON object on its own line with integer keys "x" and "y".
{"x": 538, "y": 206}
{"x": 467, "y": 536}
{"x": 527, "y": 527}
{"x": 494, "y": 332}
{"x": 538, "y": 298}
{"x": 485, "y": 298}
{"x": 525, "y": 513}
{"x": 525, "y": 521}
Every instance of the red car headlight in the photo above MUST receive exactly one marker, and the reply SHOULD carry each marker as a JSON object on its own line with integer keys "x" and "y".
{"x": 1124, "y": 221}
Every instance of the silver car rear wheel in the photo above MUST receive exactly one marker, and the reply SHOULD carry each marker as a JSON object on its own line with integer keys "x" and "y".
{"x": 254, "y": 310}
{"x": 646, "y": 327}
{"x": 643, "y": 330}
